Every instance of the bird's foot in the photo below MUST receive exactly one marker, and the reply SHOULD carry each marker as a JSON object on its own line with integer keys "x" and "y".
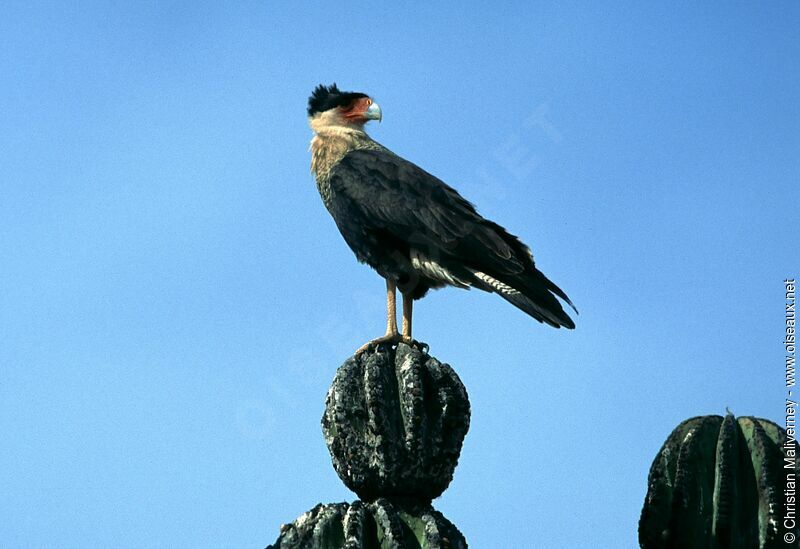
{"x": 411, "y": 342}
{"x": 390, "y": 338}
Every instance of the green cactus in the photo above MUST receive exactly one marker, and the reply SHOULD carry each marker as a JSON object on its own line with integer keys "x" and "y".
{"x": 394, "y": 423}
{"x": 376, "y": 525}
{"x": 717, "y": 483}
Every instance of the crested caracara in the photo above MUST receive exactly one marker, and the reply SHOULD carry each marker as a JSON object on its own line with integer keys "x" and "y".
{"x": 412, "y": 228}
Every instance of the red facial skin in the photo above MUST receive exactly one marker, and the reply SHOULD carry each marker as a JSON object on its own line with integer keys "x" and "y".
{"x": 355, "y": 112}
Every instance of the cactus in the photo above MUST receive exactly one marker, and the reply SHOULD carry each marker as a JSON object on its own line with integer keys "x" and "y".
{"x": 394, "y": 423}
{"x": 717, "y": 483}
{"x": 376, "y": 525}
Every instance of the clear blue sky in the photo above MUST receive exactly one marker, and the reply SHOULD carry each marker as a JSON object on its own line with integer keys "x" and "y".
{"x": 174, "y": 298}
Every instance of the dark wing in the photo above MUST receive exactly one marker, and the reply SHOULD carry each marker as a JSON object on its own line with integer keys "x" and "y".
{"x": 408, "y": 204}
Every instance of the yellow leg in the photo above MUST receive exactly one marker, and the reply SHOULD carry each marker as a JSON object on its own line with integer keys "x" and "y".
{"x": 391, "y": 308}
{"x": 391, "y": 335}
{"x": 408, "y": 309}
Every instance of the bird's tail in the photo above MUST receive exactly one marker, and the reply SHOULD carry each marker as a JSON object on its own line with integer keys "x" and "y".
{"x": 532, "y": 294}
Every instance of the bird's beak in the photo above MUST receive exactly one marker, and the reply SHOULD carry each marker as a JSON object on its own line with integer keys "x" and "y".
{"x": 373, "y": 112}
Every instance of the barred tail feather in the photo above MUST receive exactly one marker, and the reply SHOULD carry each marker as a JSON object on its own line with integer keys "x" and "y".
{"x": 535, "y": 301}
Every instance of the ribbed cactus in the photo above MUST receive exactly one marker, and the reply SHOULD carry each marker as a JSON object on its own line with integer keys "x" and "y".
{"x": 717, "y": 483}
{"x": 376, "y": 525}
{"x": 394, "y": 423}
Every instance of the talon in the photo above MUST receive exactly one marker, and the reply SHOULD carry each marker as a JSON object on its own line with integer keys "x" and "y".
{"x": 387, "y": 338}
{"x": 411, "y": 342}
{"x": 392, "y": 336}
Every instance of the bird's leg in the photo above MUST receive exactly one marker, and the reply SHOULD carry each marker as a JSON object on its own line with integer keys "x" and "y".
{"x": 408, "y": 309}
{"x": 391, "y": 335}
{"x": 391, "y": 308}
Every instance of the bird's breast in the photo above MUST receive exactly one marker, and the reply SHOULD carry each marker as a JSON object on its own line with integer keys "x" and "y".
{"x": 324, "y": 188}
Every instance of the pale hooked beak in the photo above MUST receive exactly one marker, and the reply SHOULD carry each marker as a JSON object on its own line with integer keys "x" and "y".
{"x": 373, "y": 112}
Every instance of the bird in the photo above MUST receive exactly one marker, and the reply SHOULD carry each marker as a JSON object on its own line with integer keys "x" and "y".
{"x": 416, "y": 231}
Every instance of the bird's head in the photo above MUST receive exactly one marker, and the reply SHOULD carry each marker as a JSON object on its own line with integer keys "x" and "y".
{"x": 330, "y": 107}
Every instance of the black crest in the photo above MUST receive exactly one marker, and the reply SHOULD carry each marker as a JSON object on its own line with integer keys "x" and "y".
{"x": 324, "y": 98}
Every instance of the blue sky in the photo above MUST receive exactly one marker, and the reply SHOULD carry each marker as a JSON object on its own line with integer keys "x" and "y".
{"x": 174, "y": 298}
